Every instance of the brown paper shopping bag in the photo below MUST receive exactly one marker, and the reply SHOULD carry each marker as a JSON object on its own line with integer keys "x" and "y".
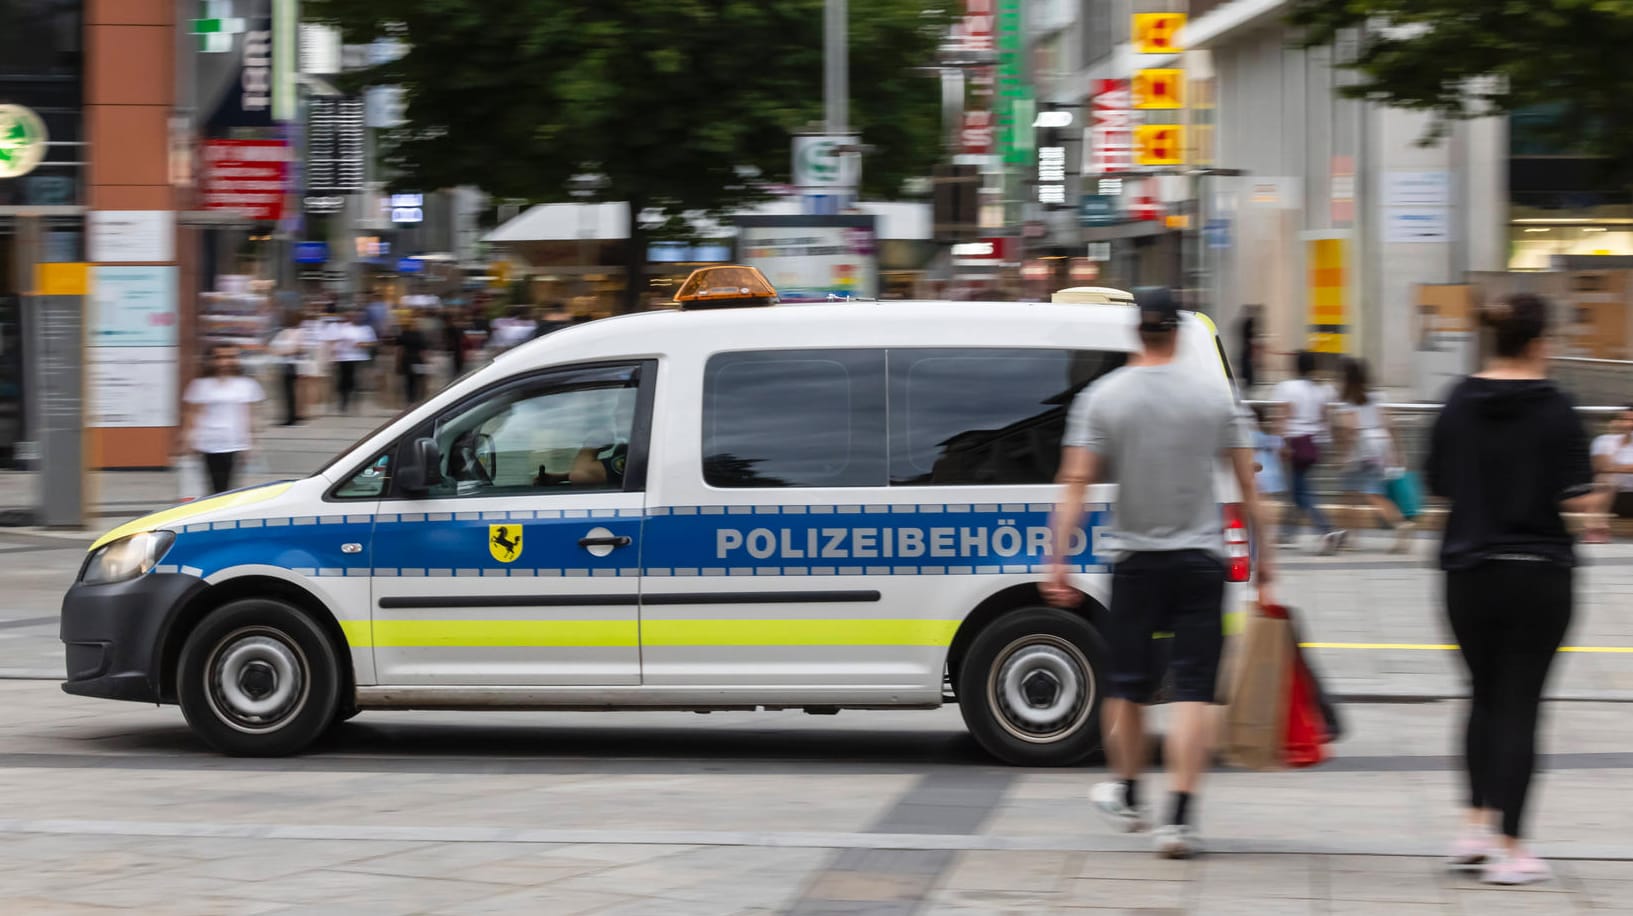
{"x": 1256, "y": 719}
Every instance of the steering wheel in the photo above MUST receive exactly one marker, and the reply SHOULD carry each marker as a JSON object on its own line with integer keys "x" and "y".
{"x": 486, "y": 455}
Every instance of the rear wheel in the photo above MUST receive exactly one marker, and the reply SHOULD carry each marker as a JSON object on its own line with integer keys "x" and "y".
{"x": 1029, "y": 687}
{"x": 258, "y": 678}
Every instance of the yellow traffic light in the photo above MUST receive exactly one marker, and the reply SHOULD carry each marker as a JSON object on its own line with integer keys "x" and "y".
{"x": 1157, "y": 33}
{"x": 1159, "y": 144}
{"x": 1158, "y": 89}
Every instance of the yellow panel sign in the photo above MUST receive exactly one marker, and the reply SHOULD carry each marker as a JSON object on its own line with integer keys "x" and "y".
{"x": 1329, "y": 295}
{"x": 62, "y": 279}
{"x": 1159, "y": 144}
{"x": 1157, "y": 33}
{"x": 1158, "y": 89}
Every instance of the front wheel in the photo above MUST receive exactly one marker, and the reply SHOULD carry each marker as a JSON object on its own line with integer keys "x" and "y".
{"x": 1029, "y": 688}
{"x": 258, "y": 678}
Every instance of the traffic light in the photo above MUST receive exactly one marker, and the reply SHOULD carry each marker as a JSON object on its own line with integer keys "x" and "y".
{"x": 1159, "y": 144}
{"x": 956, "y": 203}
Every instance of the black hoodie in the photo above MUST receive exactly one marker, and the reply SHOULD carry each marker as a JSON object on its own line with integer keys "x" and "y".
{"x": 1505, "y": 453}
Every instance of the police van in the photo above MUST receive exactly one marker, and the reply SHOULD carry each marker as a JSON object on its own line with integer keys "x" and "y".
{"x": 732, "y": 505}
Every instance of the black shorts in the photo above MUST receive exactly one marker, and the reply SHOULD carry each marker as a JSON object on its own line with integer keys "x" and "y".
{"x": 1623, "y": 506}
{"x": 1179, "y": 596}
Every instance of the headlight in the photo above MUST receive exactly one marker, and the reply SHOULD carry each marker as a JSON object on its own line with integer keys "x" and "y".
{"x": 127, "y": 557}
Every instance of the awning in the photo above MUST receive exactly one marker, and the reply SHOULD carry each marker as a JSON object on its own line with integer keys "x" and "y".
{"x": 610, "y": 221}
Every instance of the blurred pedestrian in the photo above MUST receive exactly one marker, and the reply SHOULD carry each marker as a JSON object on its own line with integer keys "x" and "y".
{"x": 219, "y": 421}
{"x": 455, "y": 340}
{"x": 1509, "y": 454}
{"x": 1161, "y": 437}
{"x": 1247, "y": 369}
{"x": 1270, "y": 476}
{"x": 1613, "y": 465}
{"x": 1304, "y": 428}
{"x": 351, "y": 342}
{"x": 411, "y": 365}
{"x": 287, "y": 346}
{"x": 314, "y": 365}
{"x": 1369, "y": 451}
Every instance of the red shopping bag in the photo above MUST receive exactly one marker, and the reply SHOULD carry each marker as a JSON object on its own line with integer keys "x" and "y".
{"x": 1306, "y": 741}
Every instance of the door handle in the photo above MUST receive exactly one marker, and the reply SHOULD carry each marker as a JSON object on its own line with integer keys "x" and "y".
{"x": 618, "y": 540}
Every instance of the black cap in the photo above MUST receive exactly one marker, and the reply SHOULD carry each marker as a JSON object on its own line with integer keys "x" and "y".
{"x": 1159, "y": 310}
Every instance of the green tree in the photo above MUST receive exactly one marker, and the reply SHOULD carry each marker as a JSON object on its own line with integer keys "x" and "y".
{"x": 667, "y": 101}
{"x": 1470, "y": 58}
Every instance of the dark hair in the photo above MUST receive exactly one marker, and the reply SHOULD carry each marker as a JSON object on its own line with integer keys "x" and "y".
{"x": 1158, "y": 337}
{"x": 1355, "y": 383}
{"x": 1516, "y": 321}
{"x": 1261, "y": 413}
{"x": 1304, "y": 363}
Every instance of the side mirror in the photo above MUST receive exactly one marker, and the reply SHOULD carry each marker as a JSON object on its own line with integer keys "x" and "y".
{"x": 422, "y": 467}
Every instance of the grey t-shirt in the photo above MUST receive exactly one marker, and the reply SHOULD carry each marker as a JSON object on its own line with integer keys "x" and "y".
{"x": 1160, "y": 434}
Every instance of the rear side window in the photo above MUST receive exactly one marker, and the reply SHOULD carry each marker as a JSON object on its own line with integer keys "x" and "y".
{"x": 984, "y": 416}
{"x": 914, "y": 417}
{"x": 795, "y": 418}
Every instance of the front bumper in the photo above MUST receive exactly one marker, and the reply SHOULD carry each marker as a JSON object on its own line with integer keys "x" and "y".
{"x": 113, "y": 634}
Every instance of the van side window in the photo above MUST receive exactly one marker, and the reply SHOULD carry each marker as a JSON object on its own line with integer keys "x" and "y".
{"x": 984, "y": 416}
{"x": 794, "y": 418}
{"x": 565, "y": 432}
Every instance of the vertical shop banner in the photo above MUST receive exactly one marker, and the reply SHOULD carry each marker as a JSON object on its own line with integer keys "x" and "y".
{"x": 250, "y": 176}
{"x": 1110, "y": 143}
{"x": 1014, "y": 95}
{"x": 1328, "y": 260}
{"x": 977, "y": 135}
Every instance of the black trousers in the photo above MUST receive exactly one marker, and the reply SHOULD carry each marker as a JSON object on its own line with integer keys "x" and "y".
{"x": 413, "y": 386}
{"x": 1510, "y": 618}
{"x": 346, "y": 381}
{"x": 219, "y": 465}
{"x": 291, "y": 404}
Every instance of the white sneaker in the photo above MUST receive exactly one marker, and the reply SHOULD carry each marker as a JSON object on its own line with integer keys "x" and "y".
{"x": 1177, "y": 841}
{"x": 1107, "y": 798}
{"x": 1510, "y": 871}
{"x": 1473, "y": 849}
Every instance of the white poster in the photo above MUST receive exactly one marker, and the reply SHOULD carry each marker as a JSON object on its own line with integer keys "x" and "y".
{"x": 814, "y": 263}
{"x": 1417, "y": 189}
{"x": 133, "y": 307}
{"x": 1417, "y": 225}
{"x": 131, "y": 386}
{"x": 118, "y": 236}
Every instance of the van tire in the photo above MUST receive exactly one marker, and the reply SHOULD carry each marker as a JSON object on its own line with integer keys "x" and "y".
{"x": 258, "y": 678}
{"x": 1030, "y": 687}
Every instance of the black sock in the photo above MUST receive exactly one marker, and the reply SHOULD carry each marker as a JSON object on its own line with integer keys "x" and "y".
{"x": 1182, "y": 808}
{"x": 1131, "y": 793}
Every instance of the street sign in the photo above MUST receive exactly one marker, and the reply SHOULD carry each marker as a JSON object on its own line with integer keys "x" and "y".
{"x": 1158, "y": 89}
{"x": 1159, "y": 144}
{"x": 821, "y": 163}
{"x": 311, "y": 252}
{"x": 1157, "y": 33}
{"x": 22, "y": 141}
{"x": 216, "y": 27}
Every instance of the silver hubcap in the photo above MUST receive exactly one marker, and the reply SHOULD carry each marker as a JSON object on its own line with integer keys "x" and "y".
{"x": 256, "y": 680}
{"x": 1042, "y": 688}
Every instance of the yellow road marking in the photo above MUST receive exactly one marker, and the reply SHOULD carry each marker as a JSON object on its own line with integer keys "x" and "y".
{"x": 1446, "y": 647}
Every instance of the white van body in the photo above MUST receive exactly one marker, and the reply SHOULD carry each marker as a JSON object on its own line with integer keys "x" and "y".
{"x": 685, "y": 593}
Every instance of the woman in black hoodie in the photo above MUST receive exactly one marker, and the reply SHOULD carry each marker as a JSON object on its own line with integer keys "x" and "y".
{"x": 1509, "y": 454}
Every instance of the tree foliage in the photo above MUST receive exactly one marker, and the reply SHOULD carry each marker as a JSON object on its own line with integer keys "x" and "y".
{"x": 1471, "y": 58}
{"x": 666, "y": 100}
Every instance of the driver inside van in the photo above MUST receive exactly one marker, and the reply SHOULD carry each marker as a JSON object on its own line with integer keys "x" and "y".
{"x": 594, "y": 467}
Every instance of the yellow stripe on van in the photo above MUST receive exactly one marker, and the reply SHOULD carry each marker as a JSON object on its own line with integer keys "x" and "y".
{"x": 491, "y": 634}
{"x": 358, "y": 633}
{"x": 188, "y": 510}
{"x": 868, "y": 632}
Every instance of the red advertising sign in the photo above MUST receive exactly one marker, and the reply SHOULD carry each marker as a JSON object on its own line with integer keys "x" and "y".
{"x": 246, "y": 175}
{"x": 977, "y": 136}
{"x": 1111, "y": 128}
{"x": 975, "y": 32}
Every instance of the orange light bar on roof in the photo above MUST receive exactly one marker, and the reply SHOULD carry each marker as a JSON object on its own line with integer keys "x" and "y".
{"x": 725, "y": 286}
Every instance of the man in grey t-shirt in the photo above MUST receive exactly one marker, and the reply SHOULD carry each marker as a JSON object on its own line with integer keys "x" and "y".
{"x": 1160, "y": 434}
